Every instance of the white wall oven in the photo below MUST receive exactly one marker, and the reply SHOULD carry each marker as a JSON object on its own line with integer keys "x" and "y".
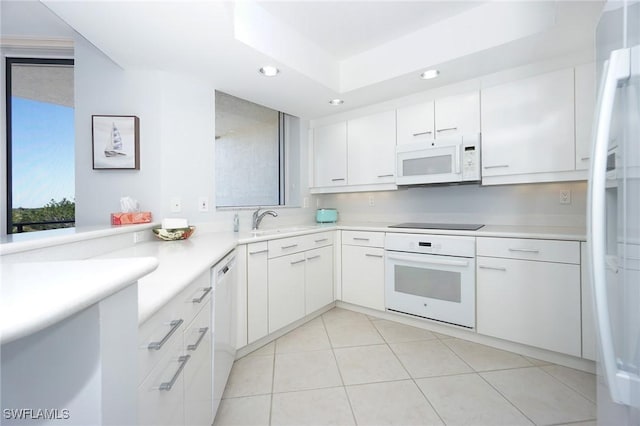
{"x": 431, "y": 276}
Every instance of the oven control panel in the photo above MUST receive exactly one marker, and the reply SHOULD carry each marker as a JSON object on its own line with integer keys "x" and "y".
{"x": 447, "y": 245}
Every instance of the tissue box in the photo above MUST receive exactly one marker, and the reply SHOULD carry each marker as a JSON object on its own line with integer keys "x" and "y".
{"x": 130, "y": 218}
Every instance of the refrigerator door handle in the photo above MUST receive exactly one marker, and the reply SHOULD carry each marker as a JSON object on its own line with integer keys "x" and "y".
{"x": 616, "y": 70}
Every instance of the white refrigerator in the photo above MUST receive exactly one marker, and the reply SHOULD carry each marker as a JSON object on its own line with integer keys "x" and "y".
{"x": 614, "y": 213}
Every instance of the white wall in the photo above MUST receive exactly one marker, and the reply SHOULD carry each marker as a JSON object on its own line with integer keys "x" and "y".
{"x": 532, "y": 204}
{"x": 177, "y": 151}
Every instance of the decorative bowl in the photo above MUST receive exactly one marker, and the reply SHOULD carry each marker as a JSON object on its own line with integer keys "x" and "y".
{"x": 173, "y": 234}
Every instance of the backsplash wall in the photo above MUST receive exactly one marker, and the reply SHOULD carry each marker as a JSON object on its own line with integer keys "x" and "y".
{"x": 530, "y": 204}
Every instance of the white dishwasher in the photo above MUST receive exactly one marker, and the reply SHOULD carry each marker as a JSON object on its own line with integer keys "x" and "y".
{"x": 224, "y": 323}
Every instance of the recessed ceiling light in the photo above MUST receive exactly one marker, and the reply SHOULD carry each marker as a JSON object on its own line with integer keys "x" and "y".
{"x": 428, "y": 74}
{"x": 336, "y": 101}
{"x": 269, "y": 71}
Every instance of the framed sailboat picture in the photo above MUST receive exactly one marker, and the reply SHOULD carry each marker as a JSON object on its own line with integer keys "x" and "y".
{"x": 116, "y": 142}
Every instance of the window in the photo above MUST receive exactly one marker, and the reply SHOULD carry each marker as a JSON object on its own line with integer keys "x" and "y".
{"x": 255, "y": 146}
{"x": 40, "y": 144}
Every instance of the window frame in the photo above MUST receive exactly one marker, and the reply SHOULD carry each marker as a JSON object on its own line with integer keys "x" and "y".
{"x": 9, "y": 61}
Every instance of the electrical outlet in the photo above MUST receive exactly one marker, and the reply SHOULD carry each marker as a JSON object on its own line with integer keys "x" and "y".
{"x": 565, "y": 196}
{"x": 176, "y": 205}
{"x": 203, "y": 204}
{"x": 371, "y": 201}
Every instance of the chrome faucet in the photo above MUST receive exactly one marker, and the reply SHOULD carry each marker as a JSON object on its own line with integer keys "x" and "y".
{"x": 257, "y": 217}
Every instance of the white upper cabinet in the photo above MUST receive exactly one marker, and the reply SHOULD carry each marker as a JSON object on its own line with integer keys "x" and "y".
{"x": 415, "y": 123}
{"x": 457, "y": 115}
{"x": 330, "y": 155}
{"x": 371, "y": 149}
{"x": 585, "y": 106}
{"x": 528, "y": 127}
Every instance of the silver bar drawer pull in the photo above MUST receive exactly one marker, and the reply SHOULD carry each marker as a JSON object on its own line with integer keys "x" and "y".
{"x": 298, "y": 261}
{"x": 175, "y": 324}
{"x": 258, "y": 252}
{"x": 337, "y": 179}
{"x": 373, "y": 255}
{"x": 525, "y": 250}
{"x": 360, "y": 239}
{"x": 446, "y": 129}
{"x": 203, "y": 332}
{"x": 313, "y": 257}
{"x": 383, "y": 176}
{"x": 204, "y": 294}
{"x": 428, "y": 132}
{"x": 288, "y": 247}
{"x": 321, "y": 240}
{"x": 493, "y": 268}
{"x": 168, "y": 385}
{"x": 496, "y": 166}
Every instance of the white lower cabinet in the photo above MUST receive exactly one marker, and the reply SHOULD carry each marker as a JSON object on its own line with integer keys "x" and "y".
{"x": 257, "y": 291}
{"x": 532, "y": 302}
{"x": 175, "y": 360}
{"x": 318, "y": 291}
{"x": 286, "y": 290}
{"x": 299, "y": 283}
{"x": 198, "y": 371}
{"x": 363, "y": 269}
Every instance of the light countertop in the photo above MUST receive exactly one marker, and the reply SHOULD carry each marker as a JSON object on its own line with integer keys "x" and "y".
{"x": 180, "y": 262}
{"x": 36, "y": 295}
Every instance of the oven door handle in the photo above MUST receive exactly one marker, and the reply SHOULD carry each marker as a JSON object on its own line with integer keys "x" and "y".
{"x": 429, "y": 259}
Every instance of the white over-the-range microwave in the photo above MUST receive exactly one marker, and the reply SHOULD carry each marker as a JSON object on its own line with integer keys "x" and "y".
{"x": 448, "y": 160}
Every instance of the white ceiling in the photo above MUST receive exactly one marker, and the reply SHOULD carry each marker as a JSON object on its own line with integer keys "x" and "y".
{"x": 347, "y": 28}
{"x": 363, "y": 52}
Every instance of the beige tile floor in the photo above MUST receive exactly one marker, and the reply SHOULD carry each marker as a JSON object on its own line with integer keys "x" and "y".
{"x": 346, "y": 368}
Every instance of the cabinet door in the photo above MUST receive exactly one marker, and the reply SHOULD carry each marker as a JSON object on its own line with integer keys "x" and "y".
{"x": 588, "y": 318}
{"x": 529, "y": 302}
{"x": 415, "y": 123}
{"x": 330, "y": 155}
{"x": 286, "y": 290}
{"x": 198, "y": 386}
{"x": 457, "y": 115}
{"x": 318, "y": 279}
{"x": 257, "y": 291}
{"x": 585, "y": 106}
{"x": 528, "y": 125}
{"x": 363, "y": 276}
{"x": 371, "y": 148}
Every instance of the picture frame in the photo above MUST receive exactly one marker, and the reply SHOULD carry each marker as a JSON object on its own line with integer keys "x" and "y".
{"x": 115, "y": 142}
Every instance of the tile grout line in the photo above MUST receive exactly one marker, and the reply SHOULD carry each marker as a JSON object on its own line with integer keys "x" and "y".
{"x": 415, "y": 383}
{"x": 505, "y": 397}
{"x": 344, "y": 387}
{"x": 273, "y": 380}
{"x": 566, "y": 384}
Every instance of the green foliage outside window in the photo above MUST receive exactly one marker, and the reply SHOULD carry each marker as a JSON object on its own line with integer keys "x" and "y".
{"x": 27, "y": 219}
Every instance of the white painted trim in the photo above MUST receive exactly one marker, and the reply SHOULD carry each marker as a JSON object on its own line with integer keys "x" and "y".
{"x": 567, "y": 176}
{"x": 354, "y": 188}
{"x": 36, "y": 43}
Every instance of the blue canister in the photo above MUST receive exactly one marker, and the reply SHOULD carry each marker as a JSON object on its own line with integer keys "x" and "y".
{"x": 326, "y": 215}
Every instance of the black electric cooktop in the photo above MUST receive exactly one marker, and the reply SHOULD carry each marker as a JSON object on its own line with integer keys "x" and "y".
{"x": 445, "y": 226}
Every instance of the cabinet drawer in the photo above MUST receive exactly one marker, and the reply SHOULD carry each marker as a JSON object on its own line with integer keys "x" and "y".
{"x": 168, "y": 324}
{"x": 320, "y": 240}
{"x": 289, "y": 245}
{"x": 198, "y": 386}
{"x": 158, "y": 406}
{"x": 530, "y": 249}
{"x": 361, "y": 238}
